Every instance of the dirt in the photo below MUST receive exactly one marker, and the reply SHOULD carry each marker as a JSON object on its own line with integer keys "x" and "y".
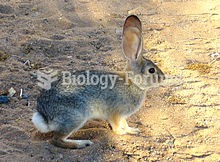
{"x": 180, "y": 121}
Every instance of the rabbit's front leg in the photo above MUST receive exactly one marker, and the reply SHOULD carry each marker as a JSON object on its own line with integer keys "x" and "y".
{"x": 115, "y": 121}
{"x": 128, "y": 129}
{"x": 119, "y": 125}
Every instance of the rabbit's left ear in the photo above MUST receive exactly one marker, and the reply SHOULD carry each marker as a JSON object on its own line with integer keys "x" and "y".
{"x": 132, "y": 42}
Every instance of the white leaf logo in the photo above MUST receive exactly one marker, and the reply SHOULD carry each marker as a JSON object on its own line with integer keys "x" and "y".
{"x": 46, "y": 77}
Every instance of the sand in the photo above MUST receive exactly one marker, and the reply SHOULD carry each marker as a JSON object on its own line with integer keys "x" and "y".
{"x": 180, "y": 121}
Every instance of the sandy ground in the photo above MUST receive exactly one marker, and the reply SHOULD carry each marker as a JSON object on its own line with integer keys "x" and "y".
{"x": 180, "y": 121}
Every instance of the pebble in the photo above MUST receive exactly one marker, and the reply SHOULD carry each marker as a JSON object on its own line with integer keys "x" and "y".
{"x": 118, "y": 31}
{"x": 27, "y": 62}
{"x": 4, "y": 92}
{"x": 33, "y": 75}
{"x": 61, "y": 156}
{"x": 11, "y": 92}
{"x": 4, "y": 99}
{"x": 25, "y": 96}
{"x": 214, "y": 55}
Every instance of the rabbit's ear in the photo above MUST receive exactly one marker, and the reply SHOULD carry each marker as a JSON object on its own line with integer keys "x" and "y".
{"x": 132, "y": 42}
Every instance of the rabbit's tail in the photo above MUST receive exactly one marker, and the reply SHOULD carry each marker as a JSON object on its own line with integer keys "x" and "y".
{"x": 40, "y": 123}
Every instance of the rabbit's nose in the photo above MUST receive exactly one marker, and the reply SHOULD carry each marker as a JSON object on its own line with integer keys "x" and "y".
{"x": 161, "y": 77}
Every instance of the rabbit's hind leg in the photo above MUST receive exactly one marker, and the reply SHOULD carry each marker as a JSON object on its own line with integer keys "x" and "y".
{"x": 61, "y": 135}
{"x": 60, "y": 140}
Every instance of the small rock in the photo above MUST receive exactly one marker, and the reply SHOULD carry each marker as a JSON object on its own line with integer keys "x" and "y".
{"x": 4, "y": 99}
{"x": 33, "y": 75}
{"x": 61, "y": 156}
{"x": 45, "y": 20}
{"x": 130, "y": 12}
{"x": 11, "y": 92}
{"x": 27, "y": 62}
{"x": 28, "y": 103}
{"x": 25, "y": 96}
{"x": 4, "y": 92}
{"x": 216, "y": 54}
{"x": 3, "y": 56}
{"x": 118, "y": 31}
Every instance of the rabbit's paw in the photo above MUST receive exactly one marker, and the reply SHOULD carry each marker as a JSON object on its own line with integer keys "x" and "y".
{"x": 72, "y": 144}
{"x": 120, "y": 131}
{"x": 131, "y": 130}
{"x": 83, "y": 143}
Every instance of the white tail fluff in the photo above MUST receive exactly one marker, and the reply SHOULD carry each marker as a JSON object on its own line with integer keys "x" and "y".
{"x": 40, "y": 123}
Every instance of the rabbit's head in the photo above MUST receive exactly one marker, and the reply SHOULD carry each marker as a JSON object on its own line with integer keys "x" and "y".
{"x": 143, "y": 72}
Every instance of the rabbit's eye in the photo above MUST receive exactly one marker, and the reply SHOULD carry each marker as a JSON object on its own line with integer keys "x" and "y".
{"x": 151, "y": 70}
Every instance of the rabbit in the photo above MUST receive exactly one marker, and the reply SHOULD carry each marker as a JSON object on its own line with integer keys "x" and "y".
{"x": 66, "y": 108}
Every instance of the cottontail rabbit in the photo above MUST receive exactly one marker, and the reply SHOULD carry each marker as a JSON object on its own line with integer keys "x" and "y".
{"x": 65, "y": 108}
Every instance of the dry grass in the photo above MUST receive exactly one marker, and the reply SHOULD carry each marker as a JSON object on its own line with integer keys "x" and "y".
{"x": 200, "y": 67}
